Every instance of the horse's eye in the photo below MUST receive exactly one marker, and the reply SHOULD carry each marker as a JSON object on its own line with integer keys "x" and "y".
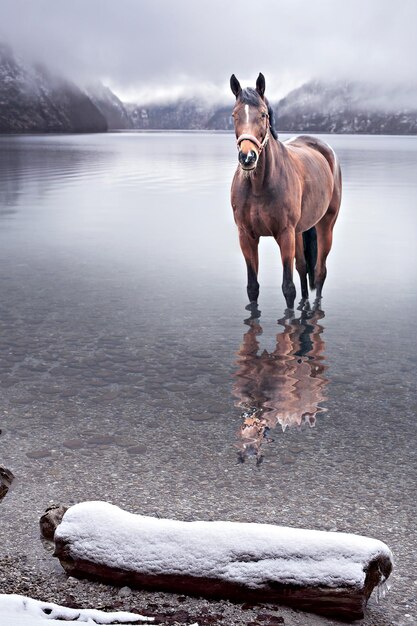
{"x": 263, "y": 114}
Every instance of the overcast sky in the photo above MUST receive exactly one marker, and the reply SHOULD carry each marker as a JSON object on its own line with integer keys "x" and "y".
{"x": 146, "y": 49}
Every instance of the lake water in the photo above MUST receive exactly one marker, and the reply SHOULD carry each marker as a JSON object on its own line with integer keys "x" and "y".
{"x": 130, "y": 372}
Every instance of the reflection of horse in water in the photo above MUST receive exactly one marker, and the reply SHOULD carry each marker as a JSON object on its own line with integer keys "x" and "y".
{"x": 284, "y": 386}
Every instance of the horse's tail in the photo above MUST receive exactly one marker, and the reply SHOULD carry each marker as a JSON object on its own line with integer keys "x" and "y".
{"x": 310, "y": 254}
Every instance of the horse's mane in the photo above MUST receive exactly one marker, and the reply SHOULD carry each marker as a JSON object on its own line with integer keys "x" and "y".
{"x": 271, "y": 120}
{"x": 251, "y": 96}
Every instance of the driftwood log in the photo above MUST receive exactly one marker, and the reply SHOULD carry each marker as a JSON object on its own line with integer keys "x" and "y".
{"x": 6, "y": 479}
{"x": 51, "y": 519}
{"x": 328, "y": 573}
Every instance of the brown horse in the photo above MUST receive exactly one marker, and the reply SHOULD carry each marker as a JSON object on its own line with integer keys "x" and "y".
{"x": 287, "y": 190}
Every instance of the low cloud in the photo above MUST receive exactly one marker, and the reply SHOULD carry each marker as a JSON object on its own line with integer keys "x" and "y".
{"x": 159, "y": 49}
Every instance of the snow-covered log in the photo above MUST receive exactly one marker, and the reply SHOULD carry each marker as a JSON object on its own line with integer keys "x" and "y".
{"x": 325, "y": 572}
{"x": 20, "y": 610}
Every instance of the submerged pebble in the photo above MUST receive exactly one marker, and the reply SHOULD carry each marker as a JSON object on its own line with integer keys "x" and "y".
{"x": 73, "y": 444}
{"x": 39, "y": 454}
{"x": 138, "y": 449}
{"x": 201, "y": 417}
{"x": 100, "y": 440}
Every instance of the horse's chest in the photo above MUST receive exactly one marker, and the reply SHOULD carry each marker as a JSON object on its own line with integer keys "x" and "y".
{"x": 259, "y": 220}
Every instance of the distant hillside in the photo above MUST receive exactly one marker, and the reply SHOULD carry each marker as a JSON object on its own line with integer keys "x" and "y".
{"x": 33, "y": 100}
{"x": 221, "y": 119}
{"x": 348, "y": 108}
{"x": 315, "y": 107}
{"x": 189, "y": 114}
{"x": 110, "y": 106}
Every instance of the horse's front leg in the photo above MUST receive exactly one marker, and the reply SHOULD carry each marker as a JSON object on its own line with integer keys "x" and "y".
{"x": 286, "y": 242}
{"x": 249, "y": 247}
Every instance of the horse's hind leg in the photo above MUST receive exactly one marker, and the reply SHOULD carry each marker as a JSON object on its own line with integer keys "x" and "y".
{"x": 249, "y": 247}
{"x": 324, "y": 229}
{"x": 301, "y": 265}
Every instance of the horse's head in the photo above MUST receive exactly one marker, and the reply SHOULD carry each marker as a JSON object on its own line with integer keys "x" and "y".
{"x": 253, "y": 120}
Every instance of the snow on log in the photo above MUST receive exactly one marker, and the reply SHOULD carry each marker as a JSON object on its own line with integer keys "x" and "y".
{"x": 325, "y": 572}
{"x": 15, "y": 609}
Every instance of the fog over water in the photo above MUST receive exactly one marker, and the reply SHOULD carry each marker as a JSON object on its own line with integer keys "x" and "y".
{"x": 157, "y": 49}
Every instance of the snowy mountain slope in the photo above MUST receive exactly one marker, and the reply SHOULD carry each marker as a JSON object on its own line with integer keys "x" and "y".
{"x": 354, "y": 107}
{"x": 33, "y": 100}
{"x": 332, "y": 107}
{"x": 110, "y": 106}
{"x": 189, "y": 114}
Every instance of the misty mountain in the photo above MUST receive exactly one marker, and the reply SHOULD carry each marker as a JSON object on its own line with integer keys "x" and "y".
{"x": 314, "y": 107}
{"x": 221, "y": 119}
{"x": 190, "y": 114}
{"x": 110, "y": 106}
{"x": 34, "y": 100}
{"x": 352, "y": 107}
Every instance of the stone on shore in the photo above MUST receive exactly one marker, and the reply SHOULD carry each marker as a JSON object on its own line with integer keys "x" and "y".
{"x": 6, "y": 479}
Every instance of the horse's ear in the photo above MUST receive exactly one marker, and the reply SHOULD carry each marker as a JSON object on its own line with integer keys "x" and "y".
{"x": 260, "y": 85}
{"x": 235, "y": 85}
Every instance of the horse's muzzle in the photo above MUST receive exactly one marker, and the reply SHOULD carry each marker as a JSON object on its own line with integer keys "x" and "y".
{"x": 248, "y": 159}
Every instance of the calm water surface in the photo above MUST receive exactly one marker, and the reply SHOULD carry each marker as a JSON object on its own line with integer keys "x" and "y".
{"x": 130, "y": 370}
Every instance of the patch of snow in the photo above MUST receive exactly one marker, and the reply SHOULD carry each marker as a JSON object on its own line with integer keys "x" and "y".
{"x": 22, "y": 611}
{"x": 249, "y": 554}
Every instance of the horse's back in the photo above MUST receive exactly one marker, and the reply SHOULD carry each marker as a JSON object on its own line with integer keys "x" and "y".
{"x": 316, "y": 144}
{"x": 313, "y": 143}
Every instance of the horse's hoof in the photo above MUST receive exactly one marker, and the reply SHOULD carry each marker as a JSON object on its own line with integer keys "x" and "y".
{"x": 288, "y": 315}
{"x": 317, "y": 304}
{"x": 255, "y": 314}
{"x": 304, "y": 304}
{"x": 252, "y": 305}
